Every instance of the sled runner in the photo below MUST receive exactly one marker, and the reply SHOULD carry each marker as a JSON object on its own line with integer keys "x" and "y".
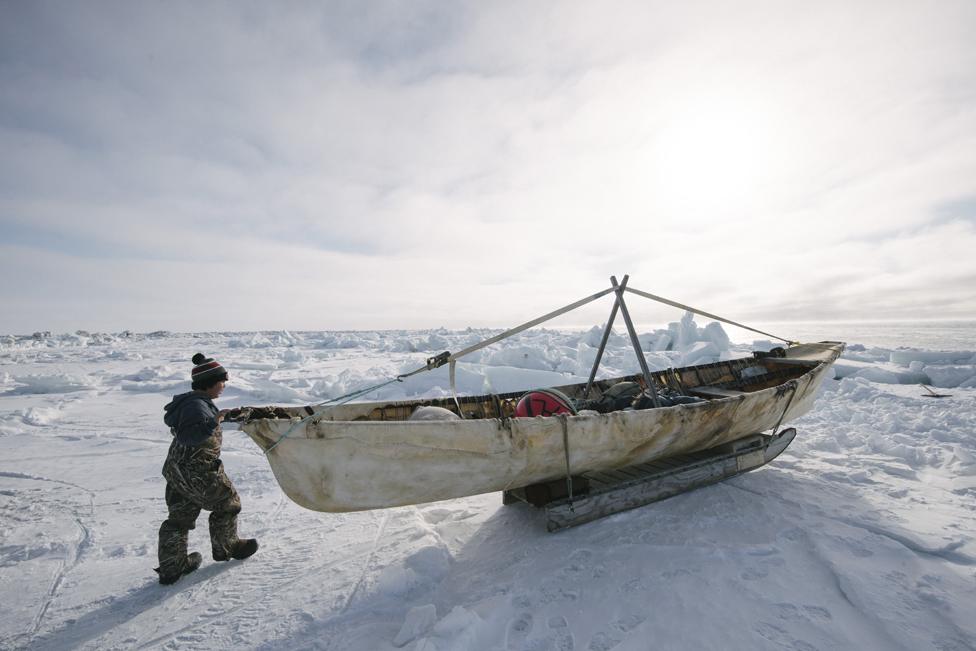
{"x": 596, "y": 494}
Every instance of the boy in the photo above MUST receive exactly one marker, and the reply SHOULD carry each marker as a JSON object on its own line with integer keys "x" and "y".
{"x": 195, "y": 477}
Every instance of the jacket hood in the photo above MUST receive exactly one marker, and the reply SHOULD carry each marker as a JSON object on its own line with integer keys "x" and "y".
{"x": 172, "y": 409}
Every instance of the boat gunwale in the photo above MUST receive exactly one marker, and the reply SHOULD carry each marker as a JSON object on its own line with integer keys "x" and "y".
{"x": 312, "y": 420}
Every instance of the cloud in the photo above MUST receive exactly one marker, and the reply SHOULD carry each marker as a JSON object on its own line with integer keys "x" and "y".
{"x": 463, "y": 165}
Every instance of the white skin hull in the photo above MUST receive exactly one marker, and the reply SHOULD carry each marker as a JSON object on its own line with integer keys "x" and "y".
{"x": 334, "y": 466}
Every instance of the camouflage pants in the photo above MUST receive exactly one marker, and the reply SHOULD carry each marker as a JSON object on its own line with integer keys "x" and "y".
{"x": 195, "y": 481}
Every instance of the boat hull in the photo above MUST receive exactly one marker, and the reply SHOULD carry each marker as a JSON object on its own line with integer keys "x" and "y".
{"x": 336, "y": 466}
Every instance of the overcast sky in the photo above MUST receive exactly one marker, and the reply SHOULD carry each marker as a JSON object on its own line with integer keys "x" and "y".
{"x": 330, "y": 165}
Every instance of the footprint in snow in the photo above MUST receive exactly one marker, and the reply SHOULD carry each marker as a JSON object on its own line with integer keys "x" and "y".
{"x": 562, "y": 637}
{"x": 804, "y": 613}
{"x": 517, "y": 631}
{"x": 628, "y": 623}
{"x": 781, "y": 637}
{"x": 753, "y": 574}
{"x": 620, "y": 629}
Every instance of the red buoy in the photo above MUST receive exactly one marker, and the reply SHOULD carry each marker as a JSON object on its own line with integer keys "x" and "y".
{"x": 543, "y": 402}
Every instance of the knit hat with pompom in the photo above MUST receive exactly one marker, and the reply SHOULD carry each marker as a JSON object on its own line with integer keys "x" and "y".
{"x": 206, "y": 371}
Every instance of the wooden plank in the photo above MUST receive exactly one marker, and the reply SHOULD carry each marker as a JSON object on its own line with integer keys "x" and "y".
{"x": 599, "y": 478}
{"x": 649, "y": 468}
{"x": 669, "y": 463}
{"x": 617, "y": 475}
{"x": 629, "y": 473}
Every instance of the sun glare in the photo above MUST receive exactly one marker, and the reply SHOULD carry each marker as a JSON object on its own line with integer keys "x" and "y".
{"x": 712, "y": 158}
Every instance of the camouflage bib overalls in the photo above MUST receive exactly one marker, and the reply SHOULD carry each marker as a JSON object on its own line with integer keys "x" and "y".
{"x": 195, "y": 480}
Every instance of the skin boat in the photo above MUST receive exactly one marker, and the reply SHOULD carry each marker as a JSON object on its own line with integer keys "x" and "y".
{"x": 364, "y": 456}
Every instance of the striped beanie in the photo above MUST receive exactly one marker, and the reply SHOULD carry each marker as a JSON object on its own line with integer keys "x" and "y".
{"x": 206, "y": 370}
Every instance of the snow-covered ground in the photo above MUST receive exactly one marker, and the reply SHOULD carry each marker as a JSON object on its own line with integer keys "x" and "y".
{"x": 862, "y": 535}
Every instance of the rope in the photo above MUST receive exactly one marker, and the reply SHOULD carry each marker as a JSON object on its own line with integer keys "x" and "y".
{"x": 569, "y": 475}
{"x": 457, "y": 402}
{"x": 530, "y": 324}
{"x": 704, "y": 314}
{"x": 793, "y": 386}
{"x": 341, "y": 400}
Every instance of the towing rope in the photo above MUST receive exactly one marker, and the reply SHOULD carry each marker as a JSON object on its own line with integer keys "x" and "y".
{"x": 343, "y": 399}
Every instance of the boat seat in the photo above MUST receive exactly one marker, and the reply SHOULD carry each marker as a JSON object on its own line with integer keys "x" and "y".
{"x": 715, "y": 392}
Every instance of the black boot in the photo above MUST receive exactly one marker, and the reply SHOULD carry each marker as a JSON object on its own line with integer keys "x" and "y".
{"x": 239, "y": 550}
{"x": 192, "y": 563}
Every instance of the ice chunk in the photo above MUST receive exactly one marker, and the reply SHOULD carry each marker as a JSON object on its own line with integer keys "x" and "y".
{"x": 662, "y": 341}
{"x": 432, "y": 562}
{"x": 593, "y": 336}
{"x": 292, "y": 357}
{"x": 256, "y": 340}
{"x": 686, "y": 331}
{"x": 524, "y": 356}
{"x": 950, "y": 376}
{"x": 585, "y": 356}
{"x": 397, "y": 580}
{"x": 41, "y": 416}
{"x": 56, "y": 383}
{"x": 906, "y": 357}
{"x": 435, "y": 342}
{"x": 342, "y": 342}
{"x": 417, "y": 622}
{"x": 699, "y": 353}
{"x": 459, "y": 626}
{"x": 261, "y": 389}
{"x": 878, "y": 375}
{"x": 714, "y": 333}
{"x": 857, "y": 389}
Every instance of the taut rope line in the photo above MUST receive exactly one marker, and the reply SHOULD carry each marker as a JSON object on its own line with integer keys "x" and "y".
{"x": 704, "y": 314}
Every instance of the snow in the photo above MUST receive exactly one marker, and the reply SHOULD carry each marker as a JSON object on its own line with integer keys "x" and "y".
{"x": 861, "y": 535}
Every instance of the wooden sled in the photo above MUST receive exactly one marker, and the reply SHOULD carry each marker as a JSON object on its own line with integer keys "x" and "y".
{"x": 592, "y": 495}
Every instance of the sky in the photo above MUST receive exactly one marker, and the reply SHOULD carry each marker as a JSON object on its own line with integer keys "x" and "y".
{"x": 344, "y": 165}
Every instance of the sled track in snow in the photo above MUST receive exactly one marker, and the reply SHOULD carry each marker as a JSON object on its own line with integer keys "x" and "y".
{"x": 66, "y": 566}
{"x": 72, "y": 558}
{"x": 369, "y": 560}
{"x": 275, "y": 512}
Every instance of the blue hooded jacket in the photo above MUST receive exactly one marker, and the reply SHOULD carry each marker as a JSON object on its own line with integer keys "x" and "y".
{"x": 192, "y": 418}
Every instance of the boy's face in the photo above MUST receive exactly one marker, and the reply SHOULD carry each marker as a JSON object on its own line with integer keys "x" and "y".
{"x": 214, "y": 392}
